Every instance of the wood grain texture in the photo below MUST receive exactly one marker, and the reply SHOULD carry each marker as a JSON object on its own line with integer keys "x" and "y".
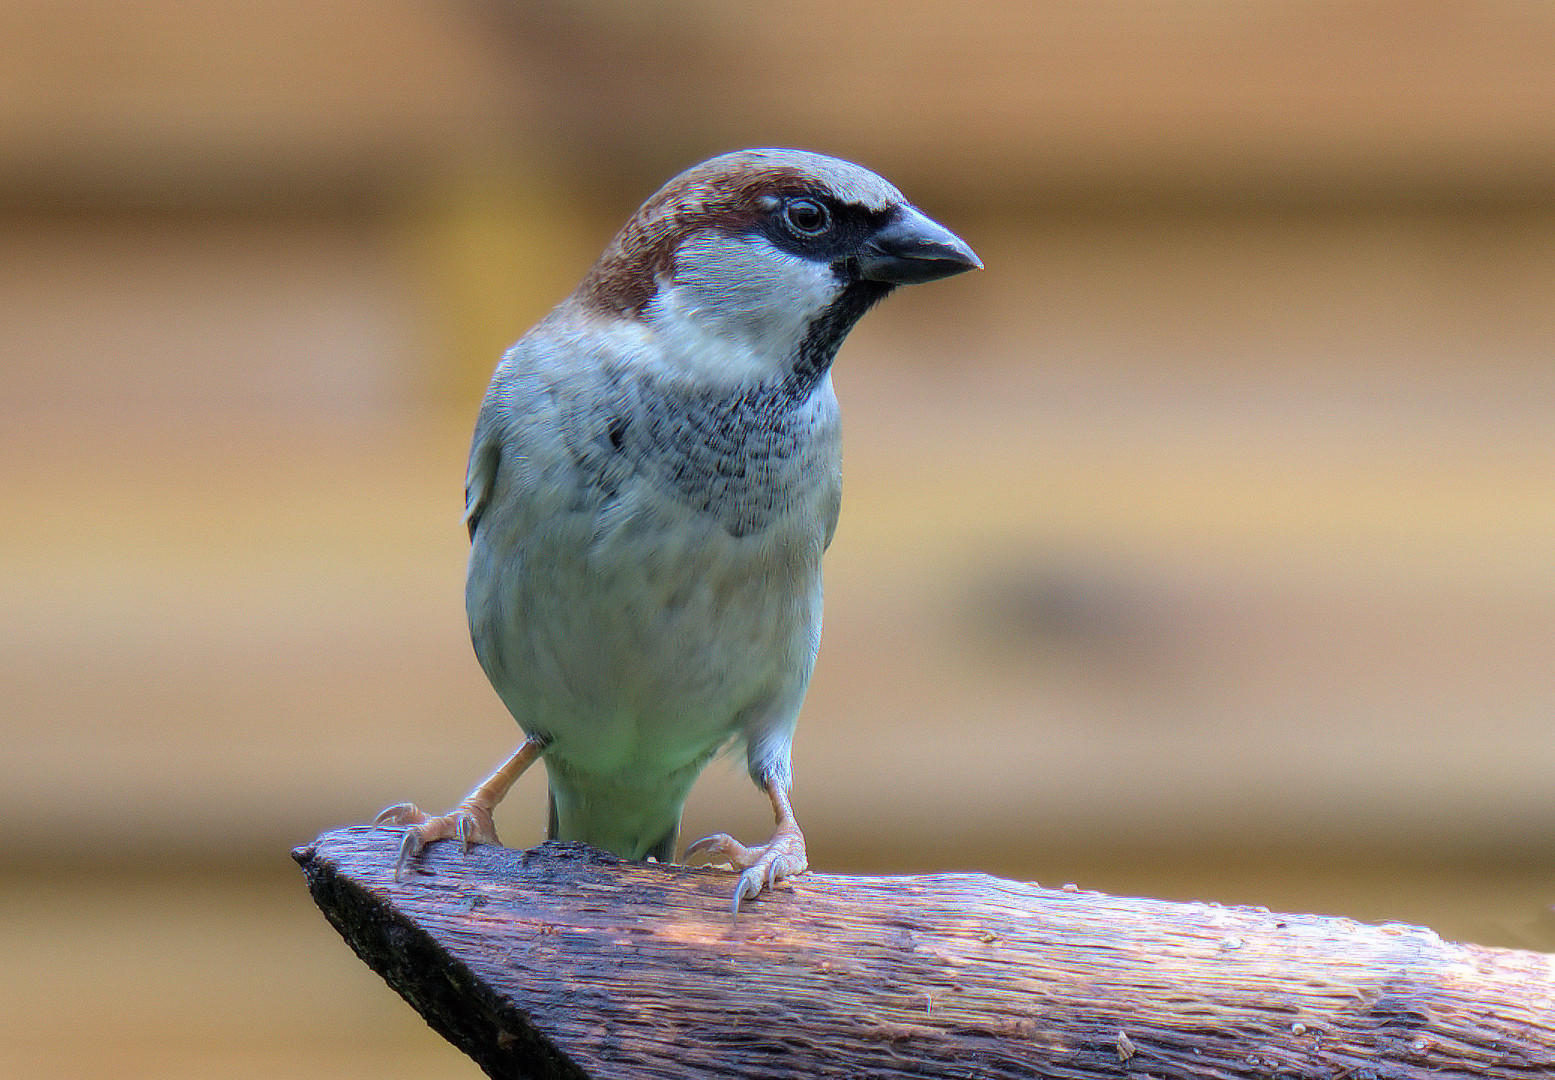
{"x": 564, "y": 962}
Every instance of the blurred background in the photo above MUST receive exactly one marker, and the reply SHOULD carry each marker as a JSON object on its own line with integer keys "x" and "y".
{"x": 1201, "y": 547}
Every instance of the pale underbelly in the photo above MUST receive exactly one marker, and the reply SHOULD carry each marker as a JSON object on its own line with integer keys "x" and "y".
{"x": 641, "y": 658}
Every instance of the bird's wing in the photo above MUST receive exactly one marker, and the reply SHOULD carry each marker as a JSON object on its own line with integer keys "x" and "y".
{"x": 485, "y": 456}
{"x": 543, "y": 438}
{"x": 481, "y": 478}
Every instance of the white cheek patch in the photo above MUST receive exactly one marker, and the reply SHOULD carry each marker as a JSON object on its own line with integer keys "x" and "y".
{"x": 737, "y": 307}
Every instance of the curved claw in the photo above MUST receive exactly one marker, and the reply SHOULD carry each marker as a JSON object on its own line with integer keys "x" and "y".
{"x": 749, "y": 886}
{"x": 400, "y": 814}
{"x": 410, "y": 847}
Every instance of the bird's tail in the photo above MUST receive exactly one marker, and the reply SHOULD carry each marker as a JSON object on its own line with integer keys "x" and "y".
{"x": 631, "y": 831}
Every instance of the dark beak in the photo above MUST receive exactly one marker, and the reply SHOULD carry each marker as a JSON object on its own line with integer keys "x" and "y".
{"x": 911, "y": 248}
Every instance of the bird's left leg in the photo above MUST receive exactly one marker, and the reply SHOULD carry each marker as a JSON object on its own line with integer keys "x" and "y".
{"x": 781, "y": 857}
{"x": 470, "y": 822}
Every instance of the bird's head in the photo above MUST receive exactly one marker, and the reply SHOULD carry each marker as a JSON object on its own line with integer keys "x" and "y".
{"x": 755, "y": 265}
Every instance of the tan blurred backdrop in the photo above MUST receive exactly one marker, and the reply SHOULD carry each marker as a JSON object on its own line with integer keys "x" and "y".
{"x": 1201, "y": 547}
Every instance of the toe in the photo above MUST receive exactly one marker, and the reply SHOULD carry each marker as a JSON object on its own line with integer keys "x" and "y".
{"x": 400, "y": 814}
{"x": 723, "y": 848}
{"x": 473, "y": 826}
{"x": 709, "y": 844}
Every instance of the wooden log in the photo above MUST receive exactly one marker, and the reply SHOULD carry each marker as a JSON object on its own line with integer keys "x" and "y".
{"x": 562, "y": 961}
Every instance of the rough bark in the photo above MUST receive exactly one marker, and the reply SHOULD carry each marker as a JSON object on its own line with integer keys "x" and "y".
{"x": 561, "y": 961}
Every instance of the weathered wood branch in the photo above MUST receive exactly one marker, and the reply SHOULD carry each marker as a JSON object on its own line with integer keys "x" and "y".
{"x": 564, "y": 962}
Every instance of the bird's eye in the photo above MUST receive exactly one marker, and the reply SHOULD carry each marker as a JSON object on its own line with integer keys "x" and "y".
{"x": 807, "y": 217}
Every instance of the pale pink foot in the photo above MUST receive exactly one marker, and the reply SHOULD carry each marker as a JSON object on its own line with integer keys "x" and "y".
{"x": 469, "y": 824}
{"x": 781, "y": 857}
{"x": 470, "y": 821}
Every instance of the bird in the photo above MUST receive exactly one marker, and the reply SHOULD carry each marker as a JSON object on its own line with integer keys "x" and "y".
{"x": 654, "y": 477}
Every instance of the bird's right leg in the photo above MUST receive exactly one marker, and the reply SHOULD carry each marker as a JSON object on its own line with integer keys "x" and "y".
{"x": 780, "y": 858}
{"x": 470, "y": 822}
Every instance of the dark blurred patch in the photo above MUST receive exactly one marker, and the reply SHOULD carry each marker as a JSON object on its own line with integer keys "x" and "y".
{"x": 1047, "y": 609}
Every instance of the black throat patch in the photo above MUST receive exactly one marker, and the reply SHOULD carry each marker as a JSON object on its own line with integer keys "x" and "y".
{"x": 824, "y": 336}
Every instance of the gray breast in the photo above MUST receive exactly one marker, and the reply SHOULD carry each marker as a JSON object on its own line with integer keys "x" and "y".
{"x": 743, "y": 458}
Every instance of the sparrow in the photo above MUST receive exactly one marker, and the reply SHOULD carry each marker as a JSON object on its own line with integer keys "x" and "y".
{"x": 654, "y": 477}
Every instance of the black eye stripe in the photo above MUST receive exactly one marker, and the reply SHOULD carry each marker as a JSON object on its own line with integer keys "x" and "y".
{"x": 847, "y": 226}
